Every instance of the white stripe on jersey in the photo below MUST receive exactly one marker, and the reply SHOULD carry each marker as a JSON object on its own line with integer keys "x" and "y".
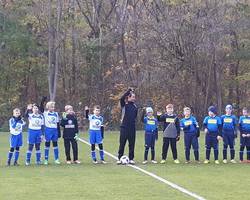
{"x": 16, "y": 128}
{"x": 51, "y": 119}
{"x": 35, "y": 121}
{"x": 95, "y": 122}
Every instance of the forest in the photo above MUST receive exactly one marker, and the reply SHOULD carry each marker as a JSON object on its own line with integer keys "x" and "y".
{"x": 84, "y": 52}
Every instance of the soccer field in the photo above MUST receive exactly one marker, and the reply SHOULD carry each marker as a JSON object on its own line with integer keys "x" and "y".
{"x": 111, "y": 182}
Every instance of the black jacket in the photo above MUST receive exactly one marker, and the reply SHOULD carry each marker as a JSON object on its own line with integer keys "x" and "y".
{"x": 129, "y": 112}
{"x": 70, "y": 126}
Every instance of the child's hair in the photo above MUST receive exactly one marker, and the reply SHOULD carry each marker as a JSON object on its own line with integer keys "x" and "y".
{"x": 97, "y": 107}
{"x": 49, "y": 104}
{"x": 170, "y": 106}
{"x": 16, "y": 110}
{"x": 187, "y": 109}
{"x": 67, "y": 107}
{"x": 35, "y": 105}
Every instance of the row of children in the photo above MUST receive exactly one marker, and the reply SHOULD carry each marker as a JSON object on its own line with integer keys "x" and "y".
{"x": 45, "y": 125}
{"x": 216, "y": 128}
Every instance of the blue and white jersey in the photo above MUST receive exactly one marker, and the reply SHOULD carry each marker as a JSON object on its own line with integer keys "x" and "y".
{"x": 229, "y": 122}
{"x": 244, "y": 123}
{"x": 189, "y": 124}
{"x": 36, "y": 121}
{"x": 16, "y": 127}
{"x": 95, "y": 122}
{"x": 51, "y": 119}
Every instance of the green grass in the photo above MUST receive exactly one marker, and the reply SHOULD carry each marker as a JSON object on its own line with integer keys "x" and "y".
{"x": 88, "y": 181}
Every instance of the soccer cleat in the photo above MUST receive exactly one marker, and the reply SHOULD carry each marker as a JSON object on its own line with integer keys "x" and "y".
{"x": 95, "y": 162}
{"x": 216, "y": 162}
{"x": 77, "y": 162}
{"x": 118, "y": 162}
{"x": 145, "y": 162}
{"x": 233, "y": 161}
{"x": 57, "y": 162}
{"x": 187, "y": 162}
{"x": 163, "y": 161}
{"x": 131, "y": 162}
{"x": 103, "y": 162}
{"x": 68, "y": 162}
{"x": 8, "y": 163}
{"x": 176, "y": 161}
{"x": 16, "y": 164}
{"x": 27, "y": 163}
{"x": 206, "y": 161}
{"x": 224, "y": 161}
{"x": 46, "y": 162}
{"x": 154, "y": 161}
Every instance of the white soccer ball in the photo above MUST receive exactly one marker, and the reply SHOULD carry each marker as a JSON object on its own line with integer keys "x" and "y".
{"x": 124, "y": 160}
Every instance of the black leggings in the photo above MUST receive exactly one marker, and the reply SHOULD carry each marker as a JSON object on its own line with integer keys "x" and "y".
{"x": 67, "y": 149}
{"x": 12, "y": 149}
{"x": 166, "y": 142}
{"x": 99, "y": 145}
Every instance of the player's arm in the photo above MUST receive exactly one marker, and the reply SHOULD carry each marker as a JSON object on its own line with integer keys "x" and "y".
{"x": 122, "y": 99}
{"x": 143, "y": 115}
{"x": 87, "y": 112}
{"x": 41, "y": 107}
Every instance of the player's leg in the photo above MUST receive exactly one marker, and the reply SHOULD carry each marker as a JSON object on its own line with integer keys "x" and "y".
{"x": 48, "y": 136}
{"x": 153, "y": 138}
{"x": 38, "y": 153}
{"x": 122, "y": 141}
{"x": 10, "y": 154}
{"x": 93, "y": 155}
{"x": 101, "y": 152}
{"x": 28, "y": 154}
{"x": 75, "y": 150}
{"x": 67, "y": 150}
{"x": 208, "y": 148}
{"x": 131, "y": 144}
{"x": 56, "y": 151}
{"x": 147, "y": 145}
{"x": 165, "y": 146}
{"x": 17, "y": 152}
{"x": 242, "y": 147}
{"x": 232, "y": 150}
{"x": 225, "y": 145}
{"x": 248, "y": 153}
{"x": 195, "y": 145}
{"x": 174, "y": 149}
{"x": 187, "y": 143}
{"x": 216, "y": 149}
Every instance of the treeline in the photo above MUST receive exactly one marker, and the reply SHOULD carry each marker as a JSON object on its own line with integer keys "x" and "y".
{"x": 85, "y": 52}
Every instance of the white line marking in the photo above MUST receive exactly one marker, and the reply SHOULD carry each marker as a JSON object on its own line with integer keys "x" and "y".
{"x": 173, "y": 185}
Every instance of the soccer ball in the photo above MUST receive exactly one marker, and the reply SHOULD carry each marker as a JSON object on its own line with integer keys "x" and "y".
{"x": 124, "y": 160}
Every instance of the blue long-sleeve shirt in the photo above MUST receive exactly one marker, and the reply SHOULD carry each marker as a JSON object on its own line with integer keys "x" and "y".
{"x": 213, "y": 124}
{"x": 189, "y": 125}
{"x": 229, "y": 123}
{"x": 244, "y": 124}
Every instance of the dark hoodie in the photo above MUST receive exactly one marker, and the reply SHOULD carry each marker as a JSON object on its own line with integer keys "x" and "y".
{"x": 70, "y": 126}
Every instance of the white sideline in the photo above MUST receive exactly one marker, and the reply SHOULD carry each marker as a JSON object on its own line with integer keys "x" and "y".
{"x": 173, "y": 185}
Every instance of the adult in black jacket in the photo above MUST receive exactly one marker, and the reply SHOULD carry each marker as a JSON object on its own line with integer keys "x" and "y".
{"x": 70, "y": 131}
{"x": 127, "y": 129}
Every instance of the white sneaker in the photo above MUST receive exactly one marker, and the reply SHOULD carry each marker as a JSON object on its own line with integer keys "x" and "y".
{"x": 68, "y": 162}
{"x": 224, "y": 161}
{"x": 95, "y": 162}
{"x": 103, "y": 162}
{"x": 233, "y": 161}
{"x": 145, "y": 162}
{"x": 131, "y": 162}
{"x": 77, "y": 162}
{"x": 118, "y": 162}
{"x": 154, "y": 161}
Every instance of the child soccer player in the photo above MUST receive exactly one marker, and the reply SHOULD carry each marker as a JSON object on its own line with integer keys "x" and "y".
{"x": 16, "y": 125}
{"x": 96, "y": 131}
{"x": 70, "y": 131}
{"x": 212, "y": 124}
{"x": 151, "y": 134}
{"x": 229, "y": 133}
{"x": 171, "y": 133}
{"x": 52, "y": 131}
{"x": 191, "y": 130}
{"x": 36, "y": 121}
{"x": 244, "y": 126}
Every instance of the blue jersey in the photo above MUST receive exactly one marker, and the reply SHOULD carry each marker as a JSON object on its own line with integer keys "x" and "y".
{"x": 213, "y": 124}
{"x": 150, "y": 124}
{"x": 229, "y": 123}
{"x": 244, "y": 123}
{"x": 189, "y": 125}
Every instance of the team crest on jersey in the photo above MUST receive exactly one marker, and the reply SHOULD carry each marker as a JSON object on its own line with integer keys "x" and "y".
{"x": 246, "y": 121}
{"x": 70, "y": 122}
{"x": 187, "y": 123}
{"x": 212, "y": 121}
